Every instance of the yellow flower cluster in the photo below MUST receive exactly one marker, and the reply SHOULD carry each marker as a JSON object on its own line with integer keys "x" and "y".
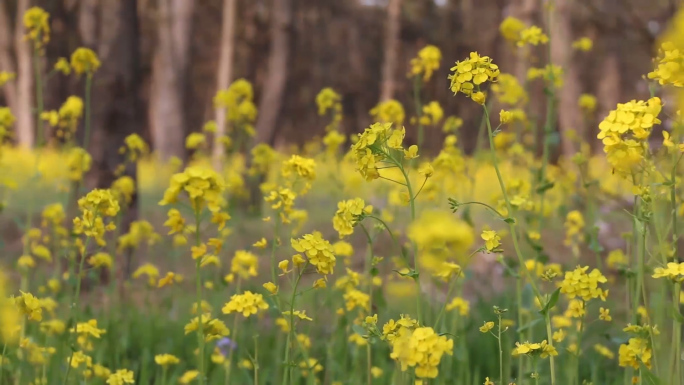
{"x": 135, "y": 147}
{"x": 551, "y": 73}
{"x": 318, "y": 250}
{"x": 578, "y": 283}
{"x": 389, "y": 111}
{"x": 347, "y": 213}
{"x": 328, "y": 100}
{"x": 510, "y": 28}
{"x": 282, "y": 199}
{"x": 470, "y": 73}
{"x": 213, "y": 328}
{"x": 78, "y": 163}
{"x": 674, "y": 271}
{"x": 244, "y": 264}
{"x": 202, "y": 185}
{"x": 492, "y": 240}
{"x": 625, "y": 130}
{"x": 636, "y": 351}
{"x": 247, "y": 303}
{"x": 533, "y": 36}
{"x": 670, "y": 66}
{"x": 432, "y": 114}
{"x": 85, "y": 61}
{"x": 303, "y": 169}
{"x": 421, "y": 348}
{"x": 426, "y": 63}
{"x": 6, "y": 77}
{"x": 238, "y": 100}
{"x": 66, "y": 118}
{"x": 121, "y": 377}
{"x": 587, "y": 103}
{"x": 583, "y": 44}
{"x": 96, "y": 205}
{"x": 37, "y": 22}
{"x": 543, "y": 349}
{"x": 139, "y": 232}
{"x": 509, "y": 91}
{"x": 368, "y": 151}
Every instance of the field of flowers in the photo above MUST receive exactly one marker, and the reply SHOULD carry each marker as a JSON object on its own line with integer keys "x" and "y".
{"x": 366, "y": 262}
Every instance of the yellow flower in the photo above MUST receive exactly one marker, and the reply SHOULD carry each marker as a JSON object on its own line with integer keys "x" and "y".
{"x": 194, "y": 140}
{"x": 533, "y": 36}
{"x": 487, "y": 382}
{"x": 262, "y": 243}
{"x": 411, "y": 153}
{"x": 487, "y": 327}
{"x": 478, "y": 97}
{"x": 471, "y": 72}
{"x": 459, "y": 304}
{"x": 247, "y": 303}
{"x": 604, "y": 351}
{"x": 271, "y": 287}
{"x": 6, "y": 77}
{"x": 329, "y": 100}
{"x": 426, "y": 62}
{"x": 492, "y": 240}
{"x": 212, "y": 328}
{"x": 551, "y": 74}
{"x": 432, "y": 114}
{"x": 421, "y": 348}
{"x": 510, "y": 28}
{"x": 78, "y": 163}
{"x": 148, "y": 270}
{"x": 505, "y": 116}
{"x": 347, "y": 214}
{"x": 635, "y": 352}
{"x": 188, "y": 376}
{"x": 605, "y": 315}
{"x": 166, "y": 359}
{"x": 583, "y": 44}
{"x": 62, "y": 65}
{"x": 100, "y": 259}
{"x": 355, "y": 298}
{"x": 283, "y": 265}
{"x": 121, "y": 377}
{"x": 390, "y": 111}
{"x": 203, "y": 187}
{"x": 587, "y": 103}
{"x": 299, "y": 314}
{"x": 29, "y": 305}
{"x": 578, "y": 283}
{"x": 318, "y": 251}
{"x": 244, "y": 264}
{"x": 674, "y": 271}
{"x": 84, "y": 60}
{"x": 37, "y": 22}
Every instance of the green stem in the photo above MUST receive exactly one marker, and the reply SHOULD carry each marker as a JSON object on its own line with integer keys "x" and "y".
{"x": 419, "y": 109}
{"x": 198, "y": 282}
{"x": 287, "y": 374}
{"x": 164, "y": 374}
{"x": 256, "y": 360}
{"x": 579, "y": 345}
{"x": 75, "y": 309}
{"x": 88, "y": 90}
{"x": 412, "y": 203}
{"x": 516, "y": 246}
{"x": 39, "y": 97}
{"x": 2, "y": 361}
{"x": 501, "y": 377}
{"x": 452, "y": 286}
{"x": 676, "y": 346}
{"x": 274, "y": 276}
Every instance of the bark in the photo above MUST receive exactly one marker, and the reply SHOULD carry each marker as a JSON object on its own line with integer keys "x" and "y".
{"x": 25, "y": 91}
{"x": 524, "y": 10}
{"x": 271, "y": 100}
{"x": 569, "y": 114}
{"x": 169, "y": 74}
{"x": 225, "y": 73}
{"x": 389, "y": 65}
{"x": 117, "y": 111}
{"x": 87, "y": 22}
{"x": 6, "y": 61}
{"x": 608, "y": 90}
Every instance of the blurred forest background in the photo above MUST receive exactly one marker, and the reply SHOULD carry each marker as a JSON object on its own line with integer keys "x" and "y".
{"x": 164, "y": 60}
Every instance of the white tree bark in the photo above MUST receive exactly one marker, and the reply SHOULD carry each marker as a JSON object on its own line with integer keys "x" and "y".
{"x": 391, "y": 55}
{"x": 169, "y": 70}
{"x": 6, "y": 62}
{"x": 224, "y": 73}
{"x": 569, "y": 114}
{"x": 25, "y": 91}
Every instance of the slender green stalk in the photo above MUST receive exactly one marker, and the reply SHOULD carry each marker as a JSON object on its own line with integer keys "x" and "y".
{"x": 369, "y": 266}
{"x": 412, "y": 203}
{"x": 501, "y": 377}
{"x": 198, "y": 281}
{"x": 287, "y": 374}
{"x": 256, "y": 360}
{"x": 164, "y": 374}
{"x": 229, "y": 364}
{"x": 514, "y": 237}
{"x": 75, "y": 309}
{"x": 417, "y": 83}
{"x": 676, "y": 345}
{"x": 274, "y": 276}
{"x": 88, "y": 112}
{"x": 579, "y": 345}
{"x": 452, "y": 286}
{"x": 2, "y": 362}
{"x": 40, "y": 136}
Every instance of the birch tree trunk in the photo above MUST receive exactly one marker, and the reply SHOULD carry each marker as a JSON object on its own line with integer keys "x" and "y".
{"x": 169, "y": 74}
{"x": 274, "y": 87}
{"x": 6, "y": 62}
{"x": 25, "y": 91}
{"x": 224, "y": 74}
{"x": 569, "y": 114}
{"x": 389, "y": 64}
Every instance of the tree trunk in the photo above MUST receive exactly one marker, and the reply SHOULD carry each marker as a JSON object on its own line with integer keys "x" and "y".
{"x": 524, "y": 10}
{"x": 87, "y": 22}
{"x": 276, "y": 79}
{"x": 118, "y": 111}
{"x": 569, "y": 114}
{"x": 169, "y": 74}
{"x": 6, "y": 62}
{"x": 225, "y": 73}
{"x": 25, "y": 91}
{"x": 391, "y": 56}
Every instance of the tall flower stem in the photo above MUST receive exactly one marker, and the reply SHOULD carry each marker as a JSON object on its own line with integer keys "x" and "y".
{"x": 287, "y": 374}
{"x": 514, "y": 237}
{"x": 198, "y": 281}
{"x": 88, "y": 112}
{"x": 40, "y": 136}
{"x": 676, "y": 345}
{"x": 2, "y": 361}
{"x": 501, "y": 377}
{"x": 369, "y": 266}
{"x": 75, "y": 308}
{"x": 417, "y": 83}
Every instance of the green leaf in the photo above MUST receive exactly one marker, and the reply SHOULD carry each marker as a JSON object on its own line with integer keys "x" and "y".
{"x": 374, "y": 272}
{"x": 529, "y": 325}
{"x": 545, "y": 186}
{"x": 677, "y": 315}
{"x": 412, "y": 273}
{"x": 358, "y": 329}
{"x": 552, "y": 302}
{"x": 648, "y": 377}
{"x": 509, "y": 220}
